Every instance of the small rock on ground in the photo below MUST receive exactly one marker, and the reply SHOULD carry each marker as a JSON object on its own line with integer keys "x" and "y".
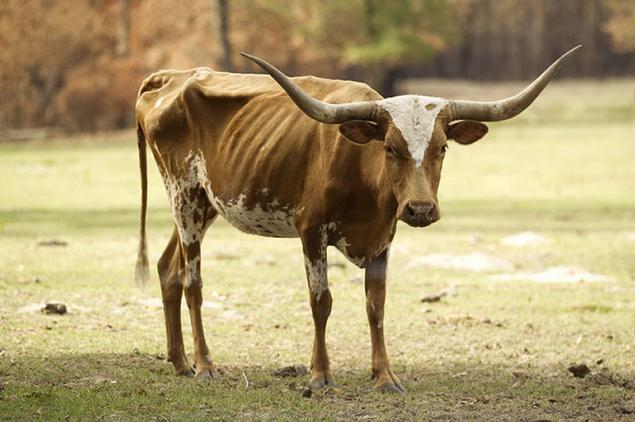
{"x": 54, "y": 308}
{"x": 579, "y": 370}
{"x": 291, "y": 371}
{"x": 53, "y": 242}
{"x": 432, "y": 298}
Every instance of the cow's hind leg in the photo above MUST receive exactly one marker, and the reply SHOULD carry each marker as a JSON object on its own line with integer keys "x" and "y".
{"x": 194, "y": 297}
{"x": 314, "y": 245}
{"x": 171, "y": 266}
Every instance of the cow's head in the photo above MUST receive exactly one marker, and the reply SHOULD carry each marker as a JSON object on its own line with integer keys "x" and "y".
{"x": 415, "y": 131}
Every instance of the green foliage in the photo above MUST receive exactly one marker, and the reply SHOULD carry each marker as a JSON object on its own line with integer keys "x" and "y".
{"x": 382, "y": 31}
{"x": 401, "y": 31}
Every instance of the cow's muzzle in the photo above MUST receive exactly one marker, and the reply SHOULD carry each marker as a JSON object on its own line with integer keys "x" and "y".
{"x": 420, "y": 213}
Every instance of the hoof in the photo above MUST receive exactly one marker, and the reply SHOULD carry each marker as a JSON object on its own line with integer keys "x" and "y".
{"x": 320, "y": 382}
{"x": 185, "y": 372}
{"x": 391, "y": 387}
{"x": 387, "y": 382}
{"x": 205, "y": 374}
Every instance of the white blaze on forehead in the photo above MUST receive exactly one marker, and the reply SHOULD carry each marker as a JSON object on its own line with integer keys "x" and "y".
{"x": 414, "y": 116}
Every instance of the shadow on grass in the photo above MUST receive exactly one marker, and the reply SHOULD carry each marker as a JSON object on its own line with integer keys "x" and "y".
{"x": 141, "y": 386}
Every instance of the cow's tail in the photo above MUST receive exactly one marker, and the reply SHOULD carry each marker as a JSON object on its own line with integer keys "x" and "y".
{"x": 141, "y": 271}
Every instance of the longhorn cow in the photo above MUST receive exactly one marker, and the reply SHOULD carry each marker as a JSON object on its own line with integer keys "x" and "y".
{"x": 330, "y": 162}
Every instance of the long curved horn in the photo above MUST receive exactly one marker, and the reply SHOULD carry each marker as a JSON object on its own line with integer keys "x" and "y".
{"x": 316, "y": 109}
{"x": 489, "y": 111}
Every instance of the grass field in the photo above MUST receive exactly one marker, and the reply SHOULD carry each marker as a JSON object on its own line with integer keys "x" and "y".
{"x": 497, "y": 347}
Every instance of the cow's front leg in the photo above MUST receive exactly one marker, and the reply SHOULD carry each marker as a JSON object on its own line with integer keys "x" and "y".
{"x": 375, "y": 285}
{"x": 320, "y": 298}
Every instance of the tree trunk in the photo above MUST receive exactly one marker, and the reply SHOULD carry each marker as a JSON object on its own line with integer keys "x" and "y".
{"x": 123, "y": 28}
{"x": 380, "y": 77}
{"x": 223, "y": 26}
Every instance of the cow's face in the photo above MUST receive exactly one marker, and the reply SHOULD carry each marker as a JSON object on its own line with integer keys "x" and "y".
{"x": 415, "y": 134}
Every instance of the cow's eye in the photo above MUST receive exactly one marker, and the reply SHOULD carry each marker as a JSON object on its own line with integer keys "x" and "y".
{"x": 390, "y": 150}
{"x": 444, "y": 148}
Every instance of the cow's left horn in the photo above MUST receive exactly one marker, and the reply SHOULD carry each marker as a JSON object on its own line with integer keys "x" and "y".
{"x": 489, "y": 111}
{"x": 316, "y": 109}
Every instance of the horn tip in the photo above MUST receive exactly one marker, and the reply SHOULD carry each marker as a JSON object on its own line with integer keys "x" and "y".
{"x": 567, "y": 55}
{"x": 260, "y": 62}
{"x": 573, "y": 50}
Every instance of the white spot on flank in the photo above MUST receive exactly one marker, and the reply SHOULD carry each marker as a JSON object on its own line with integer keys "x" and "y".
{"x": 157, "y": 104}
{"x": 414, "y": 116}
{"x": 271, "y": 219}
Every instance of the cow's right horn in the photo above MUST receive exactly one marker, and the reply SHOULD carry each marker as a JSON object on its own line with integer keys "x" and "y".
{"x": 316, "y": 109}
{"x": 489, "y": 111}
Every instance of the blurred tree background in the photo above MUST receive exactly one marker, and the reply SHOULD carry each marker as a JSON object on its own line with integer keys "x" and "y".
{"x": 76, "y": 65}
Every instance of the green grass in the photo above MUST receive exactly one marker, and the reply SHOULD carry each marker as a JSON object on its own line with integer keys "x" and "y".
{"x": 497, "y": 350}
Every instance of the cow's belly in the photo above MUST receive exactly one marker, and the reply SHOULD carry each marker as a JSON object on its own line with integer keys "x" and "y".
{"x": 266, "y": 219}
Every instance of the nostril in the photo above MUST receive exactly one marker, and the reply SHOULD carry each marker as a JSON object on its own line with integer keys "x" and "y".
{"x": 420, "y": 208}
{"x": 414, "y": 208}
{"x": 432, "y": 213}
{"x": 411, "y": 209}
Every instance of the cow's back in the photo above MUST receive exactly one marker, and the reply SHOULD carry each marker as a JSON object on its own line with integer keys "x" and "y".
{"x": 260, "y": 152}
{"x": 176, "y": 97}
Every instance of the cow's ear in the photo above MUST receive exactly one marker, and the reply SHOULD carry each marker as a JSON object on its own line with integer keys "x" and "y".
{"x": 361, "y": 132}
{"x": 466, "y": 132}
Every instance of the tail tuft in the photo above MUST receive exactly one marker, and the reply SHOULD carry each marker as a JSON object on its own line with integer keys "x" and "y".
{"x": 142, "y": 274}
